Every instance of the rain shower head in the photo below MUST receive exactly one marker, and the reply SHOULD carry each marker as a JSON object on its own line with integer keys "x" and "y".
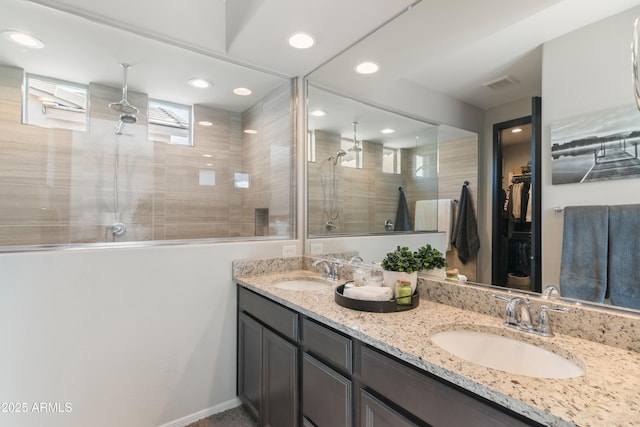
{"x": 128, "y": 118}
{"x": 123, "y": 105}
{"x": 356, "y": 147}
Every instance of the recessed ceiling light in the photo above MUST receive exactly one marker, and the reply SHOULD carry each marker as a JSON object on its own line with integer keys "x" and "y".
{"x": 367, "y": 68}
{"x": 242, "y": 91}
{"x": 387, "y": 130}
{"x": 516, "y": 130}
{"x": 208, "y": 164}
{"x": 207, "y": 155}
{"x": 205, "y": 123}
{"x": 23, "y": 39}
{"x": 250, "y": 131}
{"x": 301, "y": 40}
{"x": 200, "y": 83}
{"x": 318, "y": 113}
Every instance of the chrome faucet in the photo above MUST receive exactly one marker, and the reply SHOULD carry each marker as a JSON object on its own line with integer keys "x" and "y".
{"x": 518, "y": 316}
{"x": 330, "y": 269}
{"x": 550, "y": 289}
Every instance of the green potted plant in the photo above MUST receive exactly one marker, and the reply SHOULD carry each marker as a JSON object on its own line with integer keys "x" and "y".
{"x": 433, "y": 261}
{"x": 401, "y": 264}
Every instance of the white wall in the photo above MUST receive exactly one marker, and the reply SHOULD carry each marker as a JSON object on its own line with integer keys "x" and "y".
{"x": 585, "y": 71}
{"x": 129, "y": 336}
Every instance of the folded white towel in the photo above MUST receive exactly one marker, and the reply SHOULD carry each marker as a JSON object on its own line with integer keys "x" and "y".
{"x": 444, "y": 220}
{"x": 369, "y": 293}
{"x": 426, "y": 215}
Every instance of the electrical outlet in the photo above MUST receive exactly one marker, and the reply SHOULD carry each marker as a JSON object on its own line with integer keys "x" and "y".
{"x": 288, "y": 251}
{"x": 316, "y": 249}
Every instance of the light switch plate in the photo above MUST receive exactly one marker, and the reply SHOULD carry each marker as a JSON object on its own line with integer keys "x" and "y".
{"x": 316, "y": 249}
{"x": 288, "y": 251}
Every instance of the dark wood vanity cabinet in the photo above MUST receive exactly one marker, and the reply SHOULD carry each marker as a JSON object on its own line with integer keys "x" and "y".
{"x": 293, "y": 370}
{"x": 267, "y": 354}
{"x": 326, "y": 376}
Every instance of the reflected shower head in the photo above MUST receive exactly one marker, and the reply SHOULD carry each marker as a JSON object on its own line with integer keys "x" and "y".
{"x": 123, "y": 105}
{"x": 128, "y": 118}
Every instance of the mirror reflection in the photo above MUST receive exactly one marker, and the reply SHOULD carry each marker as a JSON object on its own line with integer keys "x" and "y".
{"x": 375, "y": 172}
{"x": 120, "y": 138}
{"x": 567, "y": 63}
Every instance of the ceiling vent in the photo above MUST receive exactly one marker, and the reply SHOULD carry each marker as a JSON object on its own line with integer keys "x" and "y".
{"x": 501, "y": 82}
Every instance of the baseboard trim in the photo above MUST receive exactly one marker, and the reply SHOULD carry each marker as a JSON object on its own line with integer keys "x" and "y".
{"x": 191, "y": 418}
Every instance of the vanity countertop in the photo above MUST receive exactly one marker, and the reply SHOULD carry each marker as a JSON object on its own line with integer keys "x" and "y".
{"x": 606, "y": 395}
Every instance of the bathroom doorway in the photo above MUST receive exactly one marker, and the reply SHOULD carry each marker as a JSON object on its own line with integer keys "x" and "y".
{"x": 516, "y": 237}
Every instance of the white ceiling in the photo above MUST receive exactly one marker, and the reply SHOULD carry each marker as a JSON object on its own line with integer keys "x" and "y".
{"x": 447, "y": 46}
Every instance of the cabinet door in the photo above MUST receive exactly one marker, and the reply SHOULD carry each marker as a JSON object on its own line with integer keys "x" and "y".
{"x": 250, "y": 363}
{"x": 280, "y": 386}
{"x": 326, "y": 395}
{"x": 374, "y": 413}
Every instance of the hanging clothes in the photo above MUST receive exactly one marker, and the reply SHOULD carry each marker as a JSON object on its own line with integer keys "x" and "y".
{"x": 465, "y": 234}
{"x": 403, "y": 218}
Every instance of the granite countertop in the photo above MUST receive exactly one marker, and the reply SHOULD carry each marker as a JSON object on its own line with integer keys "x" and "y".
{"x": 606, "y": 395}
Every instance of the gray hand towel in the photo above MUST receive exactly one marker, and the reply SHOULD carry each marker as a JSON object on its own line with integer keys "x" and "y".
{"x": 583, "y": 269}
{"x": 465, "y": 234}
{"x": 403, "y": 217}
{"x": 624, "y": 255}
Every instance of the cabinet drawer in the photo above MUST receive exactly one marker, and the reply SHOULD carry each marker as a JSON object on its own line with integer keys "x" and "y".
{"x": 327, "y": 345}
{"x": 273, "y": 315}
{"x": 433, "y": 401}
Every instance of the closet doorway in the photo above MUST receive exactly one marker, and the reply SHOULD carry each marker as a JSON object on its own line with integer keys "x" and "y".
{"x": 516, "y": 237}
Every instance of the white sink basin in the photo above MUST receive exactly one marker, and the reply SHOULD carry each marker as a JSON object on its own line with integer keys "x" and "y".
{"x": 301, "y": 285}
{"x": 506, "y": 354}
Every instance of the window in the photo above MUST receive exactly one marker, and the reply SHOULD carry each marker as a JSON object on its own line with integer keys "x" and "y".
{"x": 420, "y": 166}
{"x": 170, "y": 123}
{"x": 54, "y": 103}
{"x": 391, "y": 158}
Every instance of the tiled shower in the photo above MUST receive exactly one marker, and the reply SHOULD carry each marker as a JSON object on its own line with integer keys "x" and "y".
{"x": 57, "y": 185}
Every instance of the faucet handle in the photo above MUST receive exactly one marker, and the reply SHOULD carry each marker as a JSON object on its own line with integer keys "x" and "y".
{"x": 544, "y": 327}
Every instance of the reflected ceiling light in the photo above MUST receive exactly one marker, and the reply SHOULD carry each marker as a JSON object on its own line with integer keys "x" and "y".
{"x": 23, "y": 39}
{"x": 367, "y": 68}
{"x": 205, "y": 123}
{"x": 301, "y": 40}
{"x": 250, "y": 131}
{"x": 200, "y": 83}
{"x": 516, "y": 130}
{"x": 242, "y": 91}
{"x": 208, "y": 164}
{"x": 387, "y": 130}
{"x": 318, "y": 113}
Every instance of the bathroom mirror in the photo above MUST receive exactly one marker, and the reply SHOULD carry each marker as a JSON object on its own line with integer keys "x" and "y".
{"x": 567, "y": 74}
{"x": 106, "y": 153}
{"x": 359, "y": 161}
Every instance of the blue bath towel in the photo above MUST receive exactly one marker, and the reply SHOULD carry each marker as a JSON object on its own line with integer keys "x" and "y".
{"x": 624, "y": 255}
{"x": 583, "y": 270}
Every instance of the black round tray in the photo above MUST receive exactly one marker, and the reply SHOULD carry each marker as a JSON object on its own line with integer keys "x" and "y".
{"x": 374, "y": 306}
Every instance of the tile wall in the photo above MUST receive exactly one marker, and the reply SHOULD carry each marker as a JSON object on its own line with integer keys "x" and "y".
{"x": 57, "y": 186}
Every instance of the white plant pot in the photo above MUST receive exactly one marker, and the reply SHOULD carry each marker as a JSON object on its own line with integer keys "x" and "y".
{"x": 391, "y": 277}
{"x": 440, "y": 273}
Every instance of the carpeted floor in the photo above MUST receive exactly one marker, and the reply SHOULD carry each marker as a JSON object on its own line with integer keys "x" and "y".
{"x": 236, "y": 417}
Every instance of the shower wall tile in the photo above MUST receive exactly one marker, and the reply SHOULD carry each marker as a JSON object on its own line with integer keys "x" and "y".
{"x": 58, "y": 184}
